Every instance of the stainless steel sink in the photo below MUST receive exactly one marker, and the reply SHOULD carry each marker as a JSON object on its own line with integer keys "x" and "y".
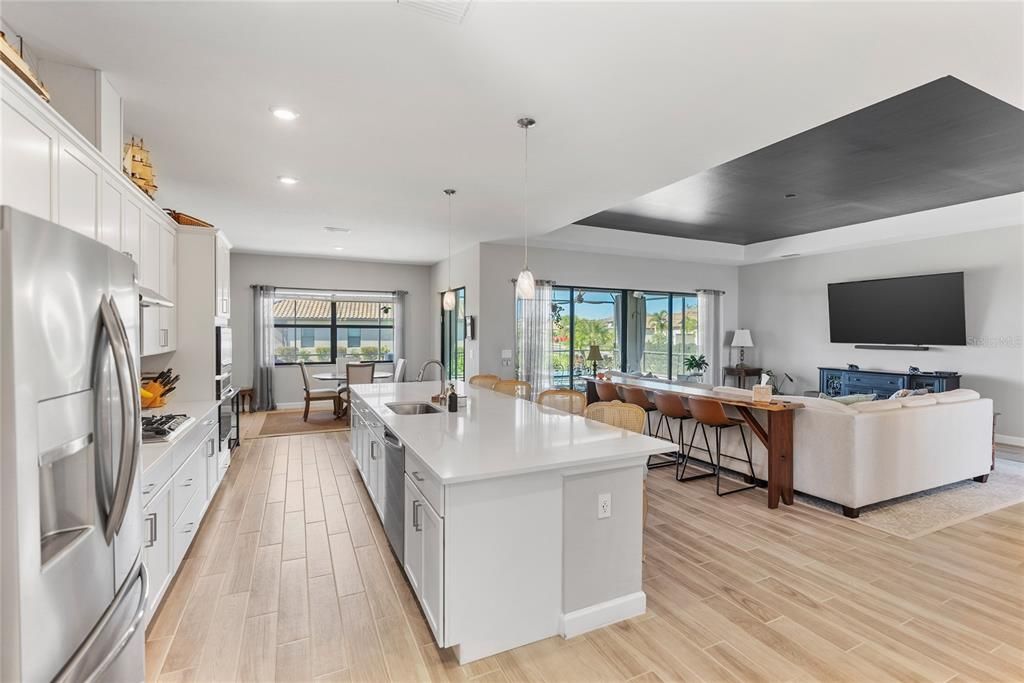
{"x": 412, "y": 408}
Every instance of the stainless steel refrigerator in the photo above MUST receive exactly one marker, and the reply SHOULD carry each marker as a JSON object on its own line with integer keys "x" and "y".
{"x": 72, "y": 583}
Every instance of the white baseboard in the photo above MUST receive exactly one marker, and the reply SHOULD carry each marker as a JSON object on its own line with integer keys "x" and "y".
{"x": 1010, "y": 440}
{"x": 602, "y": 614}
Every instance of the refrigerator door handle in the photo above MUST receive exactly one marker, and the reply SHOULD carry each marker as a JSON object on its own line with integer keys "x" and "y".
{"x": 70, "y": 673}
{"x": 131, "y": 430}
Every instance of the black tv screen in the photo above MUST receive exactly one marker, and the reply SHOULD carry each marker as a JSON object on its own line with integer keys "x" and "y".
{"x": 927, "y": 309}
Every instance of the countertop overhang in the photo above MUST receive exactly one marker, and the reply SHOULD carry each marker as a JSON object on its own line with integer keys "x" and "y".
{"x": 494, "y": 435}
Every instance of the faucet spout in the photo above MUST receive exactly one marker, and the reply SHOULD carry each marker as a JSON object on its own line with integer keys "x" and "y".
{"x": 440, "y": 367}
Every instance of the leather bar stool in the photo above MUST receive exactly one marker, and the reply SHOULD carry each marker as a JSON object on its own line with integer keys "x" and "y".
{"x": 710, "y": 413}
{"x": 672, "y": 406}
{"x": 606, "y": 391}
{"x": 637, "y": 396}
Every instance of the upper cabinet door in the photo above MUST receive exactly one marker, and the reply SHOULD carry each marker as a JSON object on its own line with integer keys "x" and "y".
{"x": 78, "y": 190}
{"x": 131, "y": 231}
{"x": 169, "y": 287}
{"x": 29, "y": 150}
{"x": 223, "y": 279}
{"x": 149, "y": 265}
{"x": 111, "y": 215}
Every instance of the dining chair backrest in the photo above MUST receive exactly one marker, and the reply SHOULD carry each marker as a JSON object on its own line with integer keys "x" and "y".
{"x": 607, "y": 391}
{"x": 359, "y": 373}
{"x": 566, "y": 400}
{"x": 399, "y": 375}
{"x": 514, "y": 387}
{"x": 305, "y": 374}
{"x": 618, "y": 414}
{"x": 670, "y": 404}
{"x": 708, "y": 411}
{"x": 485, "y": 381}
{"x": 636, "y": 396}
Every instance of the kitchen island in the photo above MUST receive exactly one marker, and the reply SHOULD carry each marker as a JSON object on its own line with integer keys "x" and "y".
{"x": 513, "y": 522}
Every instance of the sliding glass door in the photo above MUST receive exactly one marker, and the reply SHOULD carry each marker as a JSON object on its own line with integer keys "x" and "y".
{"x": 453, "y": 336}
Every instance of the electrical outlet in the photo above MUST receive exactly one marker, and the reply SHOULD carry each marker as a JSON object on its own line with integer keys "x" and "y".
{"x": 604, "y": 505}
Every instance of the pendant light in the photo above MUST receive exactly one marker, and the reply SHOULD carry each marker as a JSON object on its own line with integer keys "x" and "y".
{"x": 448, "y": 302}
{"x": 525, "y": 286}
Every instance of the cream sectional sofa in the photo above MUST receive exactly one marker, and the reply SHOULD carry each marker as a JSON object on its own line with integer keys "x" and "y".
{"x": 875, "y": 451}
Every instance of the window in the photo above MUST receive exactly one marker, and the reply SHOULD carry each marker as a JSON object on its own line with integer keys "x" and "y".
{"x": 639, "y": 331}
{"x": 453, "y": 336}
{"x": 322, "y": 327}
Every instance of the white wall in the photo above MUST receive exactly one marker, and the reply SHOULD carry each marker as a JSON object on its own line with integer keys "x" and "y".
{"x": 784, "y": 303}
{"x": 287, "y": 271}
{"x": 465, "y": 272}
{"x": 500, "y": 263}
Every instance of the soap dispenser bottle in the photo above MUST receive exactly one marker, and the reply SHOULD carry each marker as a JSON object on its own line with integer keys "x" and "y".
{"x": 453, "y": 399}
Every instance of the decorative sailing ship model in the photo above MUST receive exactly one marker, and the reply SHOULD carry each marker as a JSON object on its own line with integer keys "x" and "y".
{"x": 138, "y": 167}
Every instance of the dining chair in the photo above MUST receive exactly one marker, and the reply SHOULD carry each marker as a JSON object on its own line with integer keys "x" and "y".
{"x": 399, "y": 375}
{"x": 485, "y": 381}
{"x": 355, "y": 373}
{"x": 310, "y": 395}
{"x": 566, "y": 400}
{"x": 607, "y": 391}
{"x": 514, "y": 387}
{"x": 624, "y": 416}
{"x": 711, "y": 413}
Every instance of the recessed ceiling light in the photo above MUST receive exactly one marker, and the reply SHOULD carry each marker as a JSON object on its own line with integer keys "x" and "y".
{"x": 332, "y": 228}
{"x": 791, "y": 195}
{"x": 339, "y": 248}
{"x": 287, "y": 180}
{"x": 284, "y": 113}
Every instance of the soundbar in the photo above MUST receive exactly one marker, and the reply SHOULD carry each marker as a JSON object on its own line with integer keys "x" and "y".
{"x": 890, "y": 347}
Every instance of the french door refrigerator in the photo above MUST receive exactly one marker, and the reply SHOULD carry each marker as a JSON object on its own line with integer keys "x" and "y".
{"x": 72, "y": 583}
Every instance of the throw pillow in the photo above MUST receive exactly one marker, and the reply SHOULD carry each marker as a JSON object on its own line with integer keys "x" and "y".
{"x": 957, "y": 396}
{"x": 903, "y": 393}
{"x": 849, "y": 400}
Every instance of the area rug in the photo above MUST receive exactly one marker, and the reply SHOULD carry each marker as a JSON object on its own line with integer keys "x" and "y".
{"x": 290, "y": 422}
{"x": 922, "y": 513}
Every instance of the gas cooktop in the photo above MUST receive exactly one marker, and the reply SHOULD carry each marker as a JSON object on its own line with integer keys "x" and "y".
{"x": 157, "y": 428}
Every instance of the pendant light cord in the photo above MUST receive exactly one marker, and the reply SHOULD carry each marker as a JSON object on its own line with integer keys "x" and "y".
{"x": 450, "y": 240}
{"x": 526, "y": 197}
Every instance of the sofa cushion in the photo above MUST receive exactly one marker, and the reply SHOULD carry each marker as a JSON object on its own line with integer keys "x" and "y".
{"x": 876, "y": 406}
{"x": 815, "y": 403}
{"x": 957, "y": 396}
{"x": 850, "y": 399}
{"x": 917, "y": 401}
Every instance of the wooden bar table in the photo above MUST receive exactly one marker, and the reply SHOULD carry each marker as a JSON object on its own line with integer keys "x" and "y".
{"x": 777, "y": 436}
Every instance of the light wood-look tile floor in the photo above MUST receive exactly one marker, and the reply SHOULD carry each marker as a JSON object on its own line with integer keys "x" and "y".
{"x": 290, "y": 578}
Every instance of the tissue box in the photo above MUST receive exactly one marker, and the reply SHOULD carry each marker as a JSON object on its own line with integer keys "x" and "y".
{"x": 762, "y": 393}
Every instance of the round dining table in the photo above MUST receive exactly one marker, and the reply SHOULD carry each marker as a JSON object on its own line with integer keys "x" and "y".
{"x": 341, "y": 379}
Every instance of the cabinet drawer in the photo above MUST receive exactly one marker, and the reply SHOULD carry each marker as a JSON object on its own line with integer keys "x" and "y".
{"x": 195, "y": 436}
{"x": 932, "y": 384}
{"x": 188, "y": 481}
{"x": 186, "y": 527}
{"x": 155, "y": 477}
{"x": 875, "y": 381}
{"x": 429, "y": 485}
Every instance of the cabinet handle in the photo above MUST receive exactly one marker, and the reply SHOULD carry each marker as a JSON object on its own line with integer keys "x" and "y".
{"x": 212, "y": 449}
{"x": 417, "y": 477}
{"x": 416, "y": 515}
{"x": 187, "y": 482}
{"x": 164, "y": 336}
{"x": 223, "y": 305}
{"x": 151, "y": 522}
{"x": 148, "y": 489}
{"x": 207, "y": 423}
{"x": 187, "y": 529}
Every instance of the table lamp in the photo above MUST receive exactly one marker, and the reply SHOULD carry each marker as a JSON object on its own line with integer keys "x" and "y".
{"x": 594, "y": 356}
{"x": 741, "y": 340}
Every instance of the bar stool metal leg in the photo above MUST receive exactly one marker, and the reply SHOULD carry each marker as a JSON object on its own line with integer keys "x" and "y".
{"x": 718, "y": 470}
{"x": 681, "y": 472}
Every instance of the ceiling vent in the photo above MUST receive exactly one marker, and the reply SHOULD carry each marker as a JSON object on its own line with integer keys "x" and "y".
{"x": 451, "y": 11}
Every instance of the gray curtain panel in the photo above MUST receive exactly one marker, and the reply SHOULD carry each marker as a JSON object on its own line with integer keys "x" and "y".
{"x": 710, "y": 332}
{"x": 399, "y": 331}
{"x": 263, "y": 348}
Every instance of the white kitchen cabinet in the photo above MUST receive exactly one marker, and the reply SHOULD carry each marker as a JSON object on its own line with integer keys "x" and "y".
{"x": 29, "y": 149}
{"x": 131, "y": 230}
{"x": 168, "y": 288}
{"x": 223, "y": 278}
{"x": 78, "y": 190}
{"x": 374, "y": 480}
{"x": 424, "y": 555}
{"x": 111, "y": 215}
{"x": 156, "y": 552}
{"x": 214, "y": 474}
{"x": 149, "y": 276}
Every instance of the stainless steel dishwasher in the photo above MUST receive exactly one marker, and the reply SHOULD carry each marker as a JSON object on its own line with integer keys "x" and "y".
{"x": 393, "y": 487}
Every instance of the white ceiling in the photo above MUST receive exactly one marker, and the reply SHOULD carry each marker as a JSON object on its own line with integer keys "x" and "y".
{"x": 396, "y": 105}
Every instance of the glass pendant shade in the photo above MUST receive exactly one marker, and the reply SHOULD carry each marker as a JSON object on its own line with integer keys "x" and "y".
{"x": 448, "y": 302}
{"x": 525, "y": 286}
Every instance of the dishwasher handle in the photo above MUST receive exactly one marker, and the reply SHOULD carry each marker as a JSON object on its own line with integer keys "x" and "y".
{"x": 393, "y": 441}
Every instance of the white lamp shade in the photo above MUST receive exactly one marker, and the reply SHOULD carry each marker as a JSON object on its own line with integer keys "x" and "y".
{"x": 742, "y": 338}
{"x": 448, "y": 302}
{"x": 525, "y": 286}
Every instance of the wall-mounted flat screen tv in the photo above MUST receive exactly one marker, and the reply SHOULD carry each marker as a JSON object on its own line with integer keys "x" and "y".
{"x": 926, "y": 309}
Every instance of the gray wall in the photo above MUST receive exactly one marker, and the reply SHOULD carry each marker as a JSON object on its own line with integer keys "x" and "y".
{"x": 465, "y": 272}
{"x": 286, "y": 271}
{"x": 784, "y": 303}
{"x": 500, "y": 263}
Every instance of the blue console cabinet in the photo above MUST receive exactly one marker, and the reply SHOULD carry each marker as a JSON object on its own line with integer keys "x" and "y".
{"x": 843, "y": 382}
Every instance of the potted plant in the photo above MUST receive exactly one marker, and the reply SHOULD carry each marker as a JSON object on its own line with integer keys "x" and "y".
{"x": 696, "y": 366}
{"x": 777, "y": 383}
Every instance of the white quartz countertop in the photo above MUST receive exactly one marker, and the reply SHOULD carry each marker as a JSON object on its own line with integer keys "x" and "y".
{"x": 152, "y": 452}
{"x": 494, "y": 435}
